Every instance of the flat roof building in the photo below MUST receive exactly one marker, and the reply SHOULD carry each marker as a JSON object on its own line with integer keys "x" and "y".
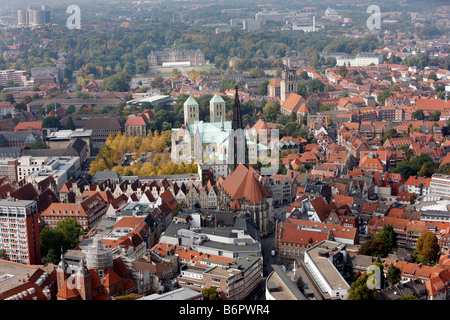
{"x": 320, "y": 262}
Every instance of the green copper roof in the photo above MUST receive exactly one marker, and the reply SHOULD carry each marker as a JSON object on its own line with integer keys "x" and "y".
{"x": 190, "y": 102}
{"x": 217, "y": 99}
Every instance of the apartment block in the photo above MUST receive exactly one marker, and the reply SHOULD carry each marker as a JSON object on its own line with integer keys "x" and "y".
{"x": 19, "y": 236}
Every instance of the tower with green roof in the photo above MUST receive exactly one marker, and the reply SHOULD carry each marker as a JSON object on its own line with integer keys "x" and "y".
{"x": 217, "y": 109}
{"x": 191, "y": 111}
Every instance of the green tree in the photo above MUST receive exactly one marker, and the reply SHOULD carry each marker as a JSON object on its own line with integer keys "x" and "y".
{"x": 210, "y": 294}
{"x": 71, "y": 230}
{"x": 51, "y": 122}
{"x": 435, "y": 115}
{"x": 342, "y": 71}
{"x": 36, "y": 145}
{"x": 432, "y": 76}
{"x": 382, "y": 96}
{"x": 418, "y": 115}
{"x": 394, "y": 274}
{"x": 316, "y": 86}
{"x": 302, "y": 90}
{"x": 428, "y": 246}
{"x": 359, "y": 290}
{"x": 389, "y": 134}
{"x": 8, "y": 97}
{"x": 389, "y": 238}
{"x": 3, "y": 255}
{"x": 69, "y": 124}
{"x": 262, "y": 88}
{"x": 118, "y": 82}
{"x": 303, "y": 75}
{"x": 71, "y": 109}
{"x": 270, "y": 111}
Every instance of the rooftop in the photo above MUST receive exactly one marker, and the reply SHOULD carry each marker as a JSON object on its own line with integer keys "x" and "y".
{"x": 327, "y": 269}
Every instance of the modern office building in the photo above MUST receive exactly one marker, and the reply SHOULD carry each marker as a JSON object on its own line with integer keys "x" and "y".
{"x": 35, "y": 169}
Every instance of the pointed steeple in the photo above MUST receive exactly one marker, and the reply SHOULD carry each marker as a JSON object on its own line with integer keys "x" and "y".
{"x": 238, "y": 144}
{"x": 237, "y": 116}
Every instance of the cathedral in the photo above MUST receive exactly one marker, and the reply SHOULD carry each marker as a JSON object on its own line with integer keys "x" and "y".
{"x": 221, "y": 145}
{"x": 227, "y": 148}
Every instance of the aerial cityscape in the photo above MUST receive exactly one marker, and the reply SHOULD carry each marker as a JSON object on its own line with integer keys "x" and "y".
{"x": 252, "y": 151}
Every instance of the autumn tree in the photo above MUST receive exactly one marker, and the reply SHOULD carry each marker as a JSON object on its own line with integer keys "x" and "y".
{"x": 210, "y": 293}
{"x": 428, "y": 246}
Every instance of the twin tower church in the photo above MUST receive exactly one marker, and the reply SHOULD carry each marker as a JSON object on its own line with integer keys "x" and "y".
{"x": 220, "y": 144}
{"x": 227, "y": 149}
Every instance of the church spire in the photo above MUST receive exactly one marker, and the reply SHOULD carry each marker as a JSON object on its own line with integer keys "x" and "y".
{"x": 237, "y": 116}
{"x": 238, "y": 147}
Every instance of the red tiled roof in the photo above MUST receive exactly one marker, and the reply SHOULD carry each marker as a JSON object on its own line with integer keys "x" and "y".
{"x": 292, "y": 101}
{"x": 67, "y": 293}
{"x": 128, "y": 222}
{"x": 135, "y": 121}
{"x": 111, "y": 278}
{"x": 242, "y": 183}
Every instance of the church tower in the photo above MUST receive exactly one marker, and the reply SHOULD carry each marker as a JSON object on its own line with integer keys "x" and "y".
{"x": 217, "y": 108}
{"x": 191, "y": 111}
{"x": 288, "y": 84}
{"x": 238, "y": 149}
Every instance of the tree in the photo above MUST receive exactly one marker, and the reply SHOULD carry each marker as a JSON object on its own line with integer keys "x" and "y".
{"x": 432, "y": 76}
{"x": 118, "y": 82}
{"x": 329, "y": 120}
{"x": 418, "y": 115}
{"x": 372, "y": 248}
{"x": 394, "y": 274}
{"x": 315, "y": 86}
{"x": 409, "y": 297}
{"x": 342, "y": 71}
{"x": 51, "y": 242}
{"x": 210, "y": 294}
{"x": 69, "y": 124}
{"x": 389, "y": 238}
{"x": 359, "y": 290}
{"x": 71, "y": 109}
{"x": 412, "y": 167}
{"x": 262, "y": 88}
{"x": 51, "y": 122}
{"x": 382, "y": 96}
{"x": 435, "y": 115}
{"x": 303, "y": 75}
{"x": 36, "y": 145}
{"x": 428, "y": 246}
{"x": 3, "y": 255}
{"x": 8, "y": 97}
{"x": 389, "y": 134}
{"x": 270, "y": 111}
{"x": 71, "y": 230}
{"x": 302, "y": 90}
